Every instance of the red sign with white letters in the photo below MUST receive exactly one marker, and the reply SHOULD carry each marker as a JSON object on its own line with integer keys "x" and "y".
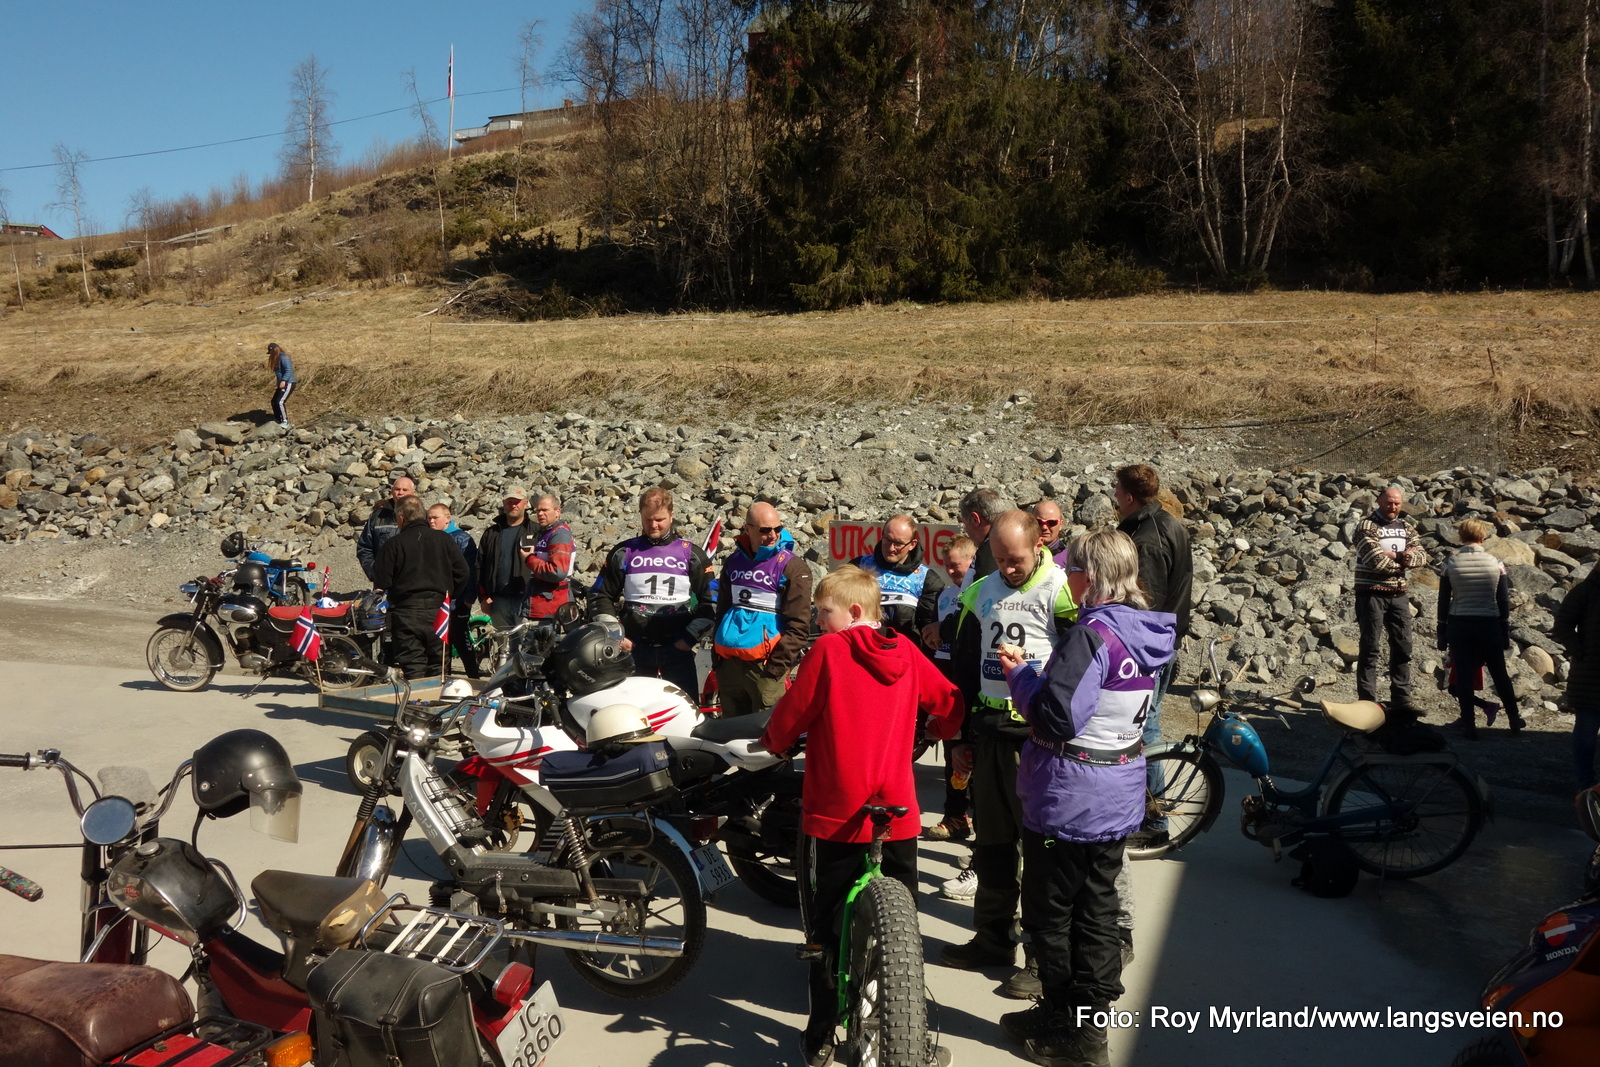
{"x": 849, "y": 541}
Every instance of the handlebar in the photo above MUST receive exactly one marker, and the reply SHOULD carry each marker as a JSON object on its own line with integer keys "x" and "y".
{"x": 24, "y": 761}
{"x": 25, "y": 888}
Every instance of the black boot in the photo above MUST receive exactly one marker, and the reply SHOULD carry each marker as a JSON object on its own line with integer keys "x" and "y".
{"x": 1080, "y": 1046}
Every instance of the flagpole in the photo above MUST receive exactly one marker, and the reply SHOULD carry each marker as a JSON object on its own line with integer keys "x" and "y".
{"x": 450, "y": 91}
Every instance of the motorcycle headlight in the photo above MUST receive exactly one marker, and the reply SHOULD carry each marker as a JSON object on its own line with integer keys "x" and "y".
{"x": 1203, "y": 700}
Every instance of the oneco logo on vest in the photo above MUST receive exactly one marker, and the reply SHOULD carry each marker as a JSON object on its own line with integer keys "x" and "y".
{"x": 669, "y": 562}
{"x": 754, "y": 577}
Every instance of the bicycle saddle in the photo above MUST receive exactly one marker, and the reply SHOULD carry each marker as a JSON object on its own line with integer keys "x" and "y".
{"x": 1363, "y": 715}
{"x": 898, "y": 811}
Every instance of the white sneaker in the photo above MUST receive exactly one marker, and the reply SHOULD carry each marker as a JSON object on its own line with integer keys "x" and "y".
{"x": 963, "y": 886}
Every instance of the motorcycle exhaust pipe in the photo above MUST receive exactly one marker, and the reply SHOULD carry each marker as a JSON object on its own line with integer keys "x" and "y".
{"x": 598, "y": 942}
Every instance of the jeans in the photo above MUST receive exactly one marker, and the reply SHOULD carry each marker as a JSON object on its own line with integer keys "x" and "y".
{"x": 1069, "y": 909}
{"x": 1375, "y": 614}
{"x": 505, "y": 609}
{"x": 1155, "y": 777}
{"x": 1585, "y": 727}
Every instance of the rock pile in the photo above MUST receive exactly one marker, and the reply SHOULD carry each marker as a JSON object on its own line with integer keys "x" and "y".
{"x": 1271, "y": 548}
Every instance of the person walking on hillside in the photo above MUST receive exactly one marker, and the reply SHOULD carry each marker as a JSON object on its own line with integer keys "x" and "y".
{"x": 657, "y": 588}
{"x": 1578, "y": 629}
{"x": 282, "y": 367}
{"x": 910, "y": 587}
{"x": 1475, "y": 626}
{"x": 382, "y": 525}
{"x": 1386, "y": 548}
{"x": 418, "y": 567}
{"x": 763, "y": 614}
{"x": 502, "y": 575}
{"x": 441, "y": 518}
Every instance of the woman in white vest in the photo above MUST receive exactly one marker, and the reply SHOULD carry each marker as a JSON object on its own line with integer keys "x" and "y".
{"x": 1082, "y": 787}
{"x": 1475, "y": 625}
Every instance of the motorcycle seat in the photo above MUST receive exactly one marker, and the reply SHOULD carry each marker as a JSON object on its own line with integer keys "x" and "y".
{"x": 284, "y": 564}
{"x": 290, "y": 612}
{"x": 737, "y": 728}
{"x": 316, "y": 909}
{"x": 83, "y": 1014}
{"x": 1362, "y": 715}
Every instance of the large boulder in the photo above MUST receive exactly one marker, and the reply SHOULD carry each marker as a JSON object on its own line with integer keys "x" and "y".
{"x": 1511, "y": 552}
{"x": 222, "y": 433}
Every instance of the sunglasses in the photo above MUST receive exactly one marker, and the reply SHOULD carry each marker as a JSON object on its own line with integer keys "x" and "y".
{"x": 764, "y": 530}
{"x": 1049, "y": 522}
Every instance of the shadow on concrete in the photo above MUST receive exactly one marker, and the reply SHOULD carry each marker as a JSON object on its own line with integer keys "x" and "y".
{"x": 320, "y": 716}
{"x": 270, "y": 688}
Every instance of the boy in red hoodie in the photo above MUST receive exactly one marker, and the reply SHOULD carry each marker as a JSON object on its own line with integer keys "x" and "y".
{"x": 857, "y": 697}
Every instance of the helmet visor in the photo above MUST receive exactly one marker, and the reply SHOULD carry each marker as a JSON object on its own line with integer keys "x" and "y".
{"x": 276, "y": 813}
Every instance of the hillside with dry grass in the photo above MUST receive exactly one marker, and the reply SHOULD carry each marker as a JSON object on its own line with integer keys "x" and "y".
{"x": 347, "y": 286}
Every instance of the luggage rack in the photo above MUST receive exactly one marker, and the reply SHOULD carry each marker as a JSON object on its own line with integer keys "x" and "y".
{"x": 450, "y": 939}
{"x": 196, "y": 1042}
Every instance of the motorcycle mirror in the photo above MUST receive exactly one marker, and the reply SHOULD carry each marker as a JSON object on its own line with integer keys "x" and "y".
{"x": 1306, "y": 685}
{"x": 108, "y": 820}
{"x": 568, "y": 613}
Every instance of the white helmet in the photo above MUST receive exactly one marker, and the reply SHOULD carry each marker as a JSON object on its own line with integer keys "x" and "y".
{"x": 619, "y": 724}
{"x": 456, "y": 689}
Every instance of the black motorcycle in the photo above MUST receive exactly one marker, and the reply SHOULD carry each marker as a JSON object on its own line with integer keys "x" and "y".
{"x": 237, "y": 612}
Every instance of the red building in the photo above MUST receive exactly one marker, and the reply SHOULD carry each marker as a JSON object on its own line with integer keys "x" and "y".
{"x": 26, "y": 229}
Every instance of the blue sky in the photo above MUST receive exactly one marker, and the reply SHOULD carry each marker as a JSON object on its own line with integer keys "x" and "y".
{"x": 114, "y": 79}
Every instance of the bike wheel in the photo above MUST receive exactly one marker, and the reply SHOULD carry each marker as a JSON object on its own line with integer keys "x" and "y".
{"x": 771, "y": 875}
{"x": 338, "y": 666}
{"x": 1189, "y": 798}
{"x": 1423, "y": 816}
{"x": 296, "y": 592}
{"x": 363, "y": 761}
{"x": 179, "y": 660}
{"x": 887, "y": 1020}
{"x": 671, "y": 907}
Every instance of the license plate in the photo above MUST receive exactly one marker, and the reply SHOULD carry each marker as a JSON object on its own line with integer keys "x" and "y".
{"x": 711, "y": 869}
{"x": 533, "y": 1032}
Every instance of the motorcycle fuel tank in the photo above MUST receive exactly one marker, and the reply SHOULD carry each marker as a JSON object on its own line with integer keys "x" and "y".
{"x": 1238, "y": 740}
{"x": 169, "y": 884}
{"x": 512, "y": 747}
{"x": 669, "y": 710}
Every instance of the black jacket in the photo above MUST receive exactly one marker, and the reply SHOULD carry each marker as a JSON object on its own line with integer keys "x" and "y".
{"x": 690, "y": 624}
{"x": 418, "y": 560}
{"x": 1166, "y": 568}
{"x": 1578, "y": 629}
{"x": 381, "y": 526}
{"x": 491, "y": 583}
{"x": 910, "y": 621}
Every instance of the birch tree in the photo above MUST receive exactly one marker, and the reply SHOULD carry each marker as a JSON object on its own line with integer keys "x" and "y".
{"x": 69, "y": 190}
{"x": 308, "y": 139}
{"x": 1229, "y": 91}
{"x": 5, "y": 216}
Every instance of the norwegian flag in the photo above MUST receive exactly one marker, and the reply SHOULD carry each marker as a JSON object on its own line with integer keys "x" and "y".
{"x": 441, "y": 621}
{"x": 713, "y": 539}
{"x": 307, "y": 641}
{"x": 327, "y": 581}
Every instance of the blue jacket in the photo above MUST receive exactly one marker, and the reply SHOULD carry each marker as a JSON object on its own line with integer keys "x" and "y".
{"x": 1062, "y": 797}
{"x": 468, "y": 591}
{"x": 762, "y": 636}
{"x": 285, "y": 367}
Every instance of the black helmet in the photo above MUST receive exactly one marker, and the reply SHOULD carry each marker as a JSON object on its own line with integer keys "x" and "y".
{"x": 249, "y": 576}
{"x": 248, "y": 768}
{"x": 233, "y": 545}
{"x": 589, "y": 658}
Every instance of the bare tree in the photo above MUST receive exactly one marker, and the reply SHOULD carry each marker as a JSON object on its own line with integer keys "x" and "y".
{"x": 144, "y": 213}
{"x": 1229, "y": 92}
{"x": 529, "y": 41}
{"x": 69, "y": 187}
{"x": 429, "y": 139}
{"x": 5, "y": 216}
{"x": 309, "y": 145}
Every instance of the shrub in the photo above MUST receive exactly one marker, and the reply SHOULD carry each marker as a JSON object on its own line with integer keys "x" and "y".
{"x": 115, "y": 259}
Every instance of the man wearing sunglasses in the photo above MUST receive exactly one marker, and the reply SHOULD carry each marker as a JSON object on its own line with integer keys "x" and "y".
{"x": 763, "y": 614}
{"x": 1048, "y": 512}
{"x": 910, "y": 588}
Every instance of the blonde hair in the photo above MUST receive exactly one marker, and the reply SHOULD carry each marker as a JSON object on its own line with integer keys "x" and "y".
{"x": 851, "y": 585}
{"x": 1473, "y": 531}
{"x": 960, "y": 545}
{"x": 1110, "y": 561}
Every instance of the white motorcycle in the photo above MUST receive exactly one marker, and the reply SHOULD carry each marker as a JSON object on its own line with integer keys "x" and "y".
{"x": 609, "y": 878}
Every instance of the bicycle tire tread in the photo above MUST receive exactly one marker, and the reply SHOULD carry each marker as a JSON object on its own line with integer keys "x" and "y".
{"x": 892, "y": 912}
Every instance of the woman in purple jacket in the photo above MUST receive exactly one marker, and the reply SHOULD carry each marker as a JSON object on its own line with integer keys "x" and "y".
{"x": 1082, "y": 787}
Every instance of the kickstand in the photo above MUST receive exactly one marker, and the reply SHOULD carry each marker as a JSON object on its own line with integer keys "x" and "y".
{"x": 252, "y": 690}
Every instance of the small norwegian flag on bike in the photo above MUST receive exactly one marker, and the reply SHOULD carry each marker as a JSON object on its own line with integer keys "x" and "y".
{"x": 307, "y": 641}
{"x": 441, "y": 621}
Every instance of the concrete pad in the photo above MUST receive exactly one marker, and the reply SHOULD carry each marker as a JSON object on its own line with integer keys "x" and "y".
{"x": 1217, "y": 927}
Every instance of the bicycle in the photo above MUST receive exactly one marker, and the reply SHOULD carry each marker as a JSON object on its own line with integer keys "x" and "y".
{"x": 1401, "y": 815}
{"x": 878, "y": 970}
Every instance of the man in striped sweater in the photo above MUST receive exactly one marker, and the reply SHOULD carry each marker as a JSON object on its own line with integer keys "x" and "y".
{"x": 1386, "y": 548}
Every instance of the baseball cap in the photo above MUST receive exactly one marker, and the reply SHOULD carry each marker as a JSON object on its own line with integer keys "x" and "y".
{"x": 515, "y": 492}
